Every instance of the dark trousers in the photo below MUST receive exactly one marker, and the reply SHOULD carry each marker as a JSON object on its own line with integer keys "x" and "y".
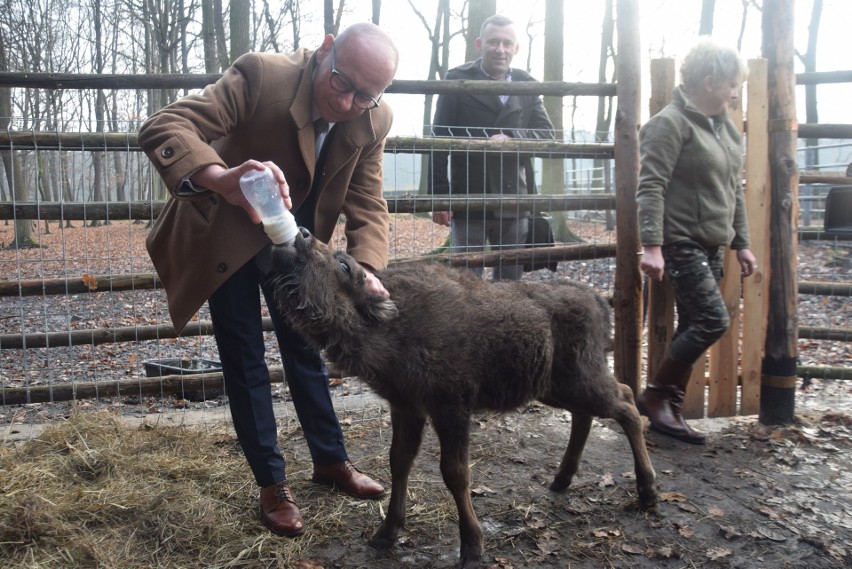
{"x": 235, "y": 311}
{"x": 702, "y": 317}
{"x": 470, "y": 235}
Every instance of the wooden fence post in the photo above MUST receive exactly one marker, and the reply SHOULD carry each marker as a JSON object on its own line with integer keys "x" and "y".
{"x": 723, "y": 376}
{"x": 660, "y": 313}
{"x": 778, "y": 374}
{"x": 628, "y": 280}
{"x": 758, "y": 204}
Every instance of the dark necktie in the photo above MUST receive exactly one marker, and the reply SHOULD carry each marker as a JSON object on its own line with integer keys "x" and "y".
{"x": 320, "y": 130}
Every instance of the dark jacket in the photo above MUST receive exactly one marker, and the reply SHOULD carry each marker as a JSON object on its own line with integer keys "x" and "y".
{"x": 690, "y": 179}
{"x": 260, "y": 109}
{"x": 482, "y": 116}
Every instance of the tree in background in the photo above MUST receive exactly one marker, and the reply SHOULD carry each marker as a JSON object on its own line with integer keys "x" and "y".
{"x": 808, "y": 59}
{"x": 240, "y": 25}
{"x": 14, "y": 177}
{"x": 603, "y": 121}
{"x": 439, "y": 57}
{"x": 331, "y": 18}
{"x": 377, "y": 11}
{"x": 477, "y": 12}
{"x": 553, "y": 169}
{"x": 100, "y": 104}
{"x": 705, "y": 26}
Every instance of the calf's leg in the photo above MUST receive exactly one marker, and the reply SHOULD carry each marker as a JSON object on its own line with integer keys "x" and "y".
{"x": 616, "y": 403}
{"x": 407, "y": 435}
{"x": 626, "y": 414}
{"x": 452, "y": 428}
{"x": 581, "y": 425}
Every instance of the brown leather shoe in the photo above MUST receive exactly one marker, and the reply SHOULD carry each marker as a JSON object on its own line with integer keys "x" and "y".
{"x": 279, "y": 512}
{"x": 345, "y": 476}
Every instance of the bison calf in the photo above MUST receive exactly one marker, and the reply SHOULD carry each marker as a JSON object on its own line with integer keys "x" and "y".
{"x": 447, "y": 344}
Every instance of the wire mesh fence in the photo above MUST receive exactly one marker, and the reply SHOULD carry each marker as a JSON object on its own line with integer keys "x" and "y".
{"x": 84, "y": 322}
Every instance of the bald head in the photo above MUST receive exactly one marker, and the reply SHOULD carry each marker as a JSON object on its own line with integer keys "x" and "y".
{"x": 370, "y": 37}
{"x": 353, "y": 70}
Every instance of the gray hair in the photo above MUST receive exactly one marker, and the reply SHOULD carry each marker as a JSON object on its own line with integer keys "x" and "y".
{"x": 708, "y": 58}
{"x": 495, "y": 20}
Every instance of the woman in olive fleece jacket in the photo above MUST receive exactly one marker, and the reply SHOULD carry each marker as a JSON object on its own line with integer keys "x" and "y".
{"x": 691, "y": 206}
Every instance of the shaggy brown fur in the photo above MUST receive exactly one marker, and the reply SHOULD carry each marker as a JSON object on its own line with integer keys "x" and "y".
{"x": 447, "y": 344}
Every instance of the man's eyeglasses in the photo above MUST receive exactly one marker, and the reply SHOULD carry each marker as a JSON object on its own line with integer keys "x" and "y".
{"x": 342, "y": 84}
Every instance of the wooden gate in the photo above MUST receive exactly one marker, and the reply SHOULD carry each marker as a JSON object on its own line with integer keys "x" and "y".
{"x": 726, "y": 379}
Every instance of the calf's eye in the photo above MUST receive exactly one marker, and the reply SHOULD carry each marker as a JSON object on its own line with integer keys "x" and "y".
{"x": 345, "y": 266}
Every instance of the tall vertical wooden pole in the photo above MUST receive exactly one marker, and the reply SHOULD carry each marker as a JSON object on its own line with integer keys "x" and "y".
{"x": 628, "y": 280}
{"x": 660, "y": 310}
{"x": 758, "y": 204}
{"x": 778, "y": 373}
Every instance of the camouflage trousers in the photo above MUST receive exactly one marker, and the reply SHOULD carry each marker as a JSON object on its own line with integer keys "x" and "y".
{"x": 702, "y": 317}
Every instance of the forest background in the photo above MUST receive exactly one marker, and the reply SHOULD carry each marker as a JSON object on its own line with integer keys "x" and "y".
{"x": 191, "y": 36}
{"x": 195, "y": 37}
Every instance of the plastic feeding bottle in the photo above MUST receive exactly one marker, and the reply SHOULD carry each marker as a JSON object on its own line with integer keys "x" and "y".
{"x": 261, "y": 190}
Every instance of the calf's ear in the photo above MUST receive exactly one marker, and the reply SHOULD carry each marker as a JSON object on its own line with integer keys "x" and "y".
{"x": 381, "y": 309}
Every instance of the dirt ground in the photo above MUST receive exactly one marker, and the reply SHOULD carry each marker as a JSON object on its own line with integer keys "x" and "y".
{"x": 753, "y": 497}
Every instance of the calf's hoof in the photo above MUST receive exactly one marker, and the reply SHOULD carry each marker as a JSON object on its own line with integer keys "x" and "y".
{"x": 381, "y": 541}
{"x": 560, "y": 484}
{"x": 648, "y": 504}
{"x": 471, "y": 562}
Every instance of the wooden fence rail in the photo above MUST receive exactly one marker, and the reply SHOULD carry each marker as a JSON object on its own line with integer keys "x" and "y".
{"x": 723, "y": 377}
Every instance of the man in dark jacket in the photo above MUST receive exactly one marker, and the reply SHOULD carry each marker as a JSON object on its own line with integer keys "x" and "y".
{"x": 498, "y": 118}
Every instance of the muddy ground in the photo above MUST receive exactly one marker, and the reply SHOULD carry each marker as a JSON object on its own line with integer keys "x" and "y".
{"x": 753, "y": 497}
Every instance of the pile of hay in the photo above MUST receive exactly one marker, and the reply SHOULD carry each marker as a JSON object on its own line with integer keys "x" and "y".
{"x": 93, "y": 491}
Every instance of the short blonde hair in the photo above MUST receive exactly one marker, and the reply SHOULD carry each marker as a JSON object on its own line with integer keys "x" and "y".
{"x": 708, "y": 58}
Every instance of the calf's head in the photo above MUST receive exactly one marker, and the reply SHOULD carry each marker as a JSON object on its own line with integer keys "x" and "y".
{"x": 320, "y": 290}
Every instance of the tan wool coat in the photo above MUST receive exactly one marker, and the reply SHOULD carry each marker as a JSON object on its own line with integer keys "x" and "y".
{"x": 260, "y": 109}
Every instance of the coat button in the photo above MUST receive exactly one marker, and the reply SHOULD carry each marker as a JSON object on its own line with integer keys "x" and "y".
{"x": 221, "y": 267}
{"x": 168, "y": 152}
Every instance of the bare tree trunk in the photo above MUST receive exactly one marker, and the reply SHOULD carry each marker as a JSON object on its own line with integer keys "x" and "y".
{"x": 240, "y": 28}
{"x": 331, "y": 21}
{"x": 705, "y": 27}
{"x": 604, "y": 114}
{"x": 439, "y": 37}
{"x": 219, "y": 23}
{"x": 117, "y": 157}
{"x": 295, "y": 20}
{"x": 42, "y": 184}
{"x": 24, "y": 236}
{"x": 67, "y": 193}
{"x": 553, "y": 169}
{"x": 377, "y": 11}
{"x": 477, "y": 12}
{"x": 743, "y": 22}
{"x": 328, "y": 16}
{"x": 100, "y": 104}
{"x": 208, "y": 37}
{"x": 808, "y": 59}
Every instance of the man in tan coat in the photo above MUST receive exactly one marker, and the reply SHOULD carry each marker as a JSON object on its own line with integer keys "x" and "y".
{"x": 207, "y": 244}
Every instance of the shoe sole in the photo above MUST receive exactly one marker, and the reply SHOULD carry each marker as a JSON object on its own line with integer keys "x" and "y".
{"x": 279, "y": 532}
{"x": 691, "y": 441}
{"x": 334, "y": 486}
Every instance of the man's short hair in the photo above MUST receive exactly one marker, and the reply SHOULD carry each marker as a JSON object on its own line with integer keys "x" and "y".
{"x": 495, "y": 20}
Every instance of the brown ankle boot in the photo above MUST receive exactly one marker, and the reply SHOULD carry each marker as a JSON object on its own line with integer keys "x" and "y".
{"x": 662, "y": 400}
